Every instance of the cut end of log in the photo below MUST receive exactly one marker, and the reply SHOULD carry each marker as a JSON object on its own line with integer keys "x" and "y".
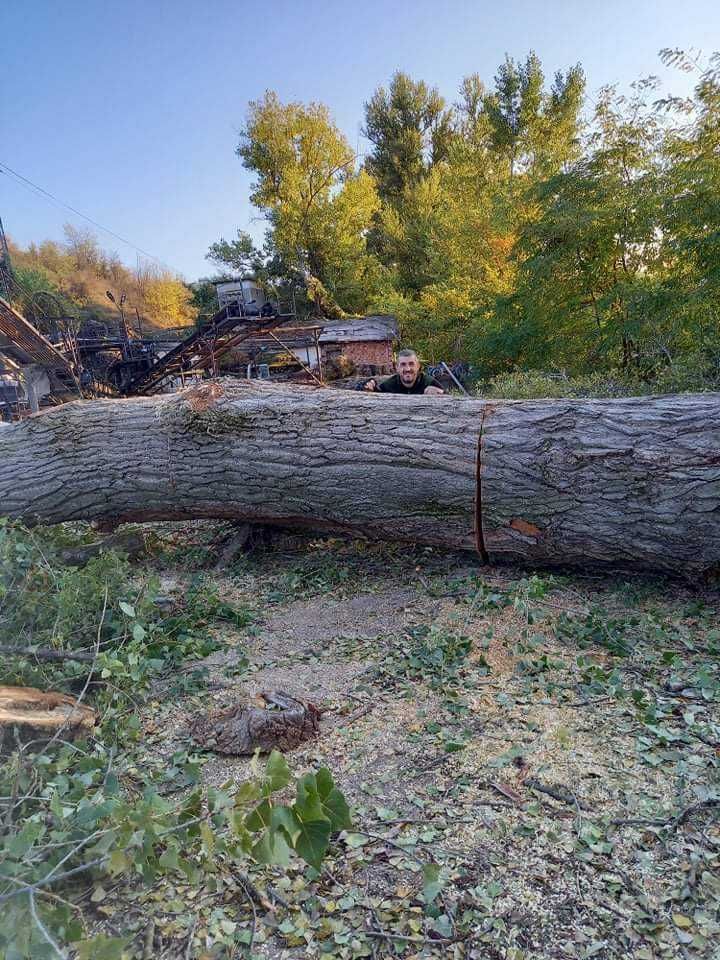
{"x": 43, "y": 710}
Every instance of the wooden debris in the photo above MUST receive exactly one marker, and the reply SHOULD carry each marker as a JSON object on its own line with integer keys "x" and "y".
{"x": 41, "y": 653}
{"x": 281, "y": 723}
{"x": 234, "y": 546}
{"x": 130, "y": 542}
{"x": 559, "y": 793}
{"x": 43, "y": 710}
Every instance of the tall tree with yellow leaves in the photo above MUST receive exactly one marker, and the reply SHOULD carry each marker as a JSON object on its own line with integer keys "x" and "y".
{"x": 319, "y": 206}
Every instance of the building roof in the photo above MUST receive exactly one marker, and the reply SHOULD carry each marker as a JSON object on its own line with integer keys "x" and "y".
{"x": 357, "y": 329}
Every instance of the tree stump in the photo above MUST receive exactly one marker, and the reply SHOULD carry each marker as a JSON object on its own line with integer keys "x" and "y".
{"x": 282, "y": 723}
{"x": 44, "y": 711}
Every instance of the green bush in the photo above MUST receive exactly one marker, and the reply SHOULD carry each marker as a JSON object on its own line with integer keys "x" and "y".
{"x": 686, "y": 377}
{"x": 104, "y": 808}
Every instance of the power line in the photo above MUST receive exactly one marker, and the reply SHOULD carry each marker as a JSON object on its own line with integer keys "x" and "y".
{"x": 24, "y": 181}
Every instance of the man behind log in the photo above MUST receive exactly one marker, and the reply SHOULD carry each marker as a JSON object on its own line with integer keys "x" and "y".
{"x": 410, "y": 378}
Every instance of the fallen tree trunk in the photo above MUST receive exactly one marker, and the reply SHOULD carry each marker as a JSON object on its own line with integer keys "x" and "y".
{"x": 633, "y": 482}
{"x": 43, "y": 653}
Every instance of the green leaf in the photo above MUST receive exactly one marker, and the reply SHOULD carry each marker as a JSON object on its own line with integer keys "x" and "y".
{"x": 272, "y": 848}
{"x": 282, "y": 819}
{"x": 247, "y": 793}
{"x": 308, "y": 805}
{"x": 138, "y": 632}
{"x": 169, "y": 859}
{"x": 118, "y": 863}
{"x": 277, "y": 772}
{"x": 432, "y": 884}
{"x": 333, "y": 802}
{"x": 312, "y": 841}
{"x": 22, "y": 841}
{"x": 259, "y": 819}
{"x": 127, "y": 609}
{"x": 354, "y": 840}
{"x": 101, "y": 947}
{"x": 443, "y": 926}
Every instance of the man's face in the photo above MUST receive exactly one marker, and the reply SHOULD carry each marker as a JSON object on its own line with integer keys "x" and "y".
{"x": 408, "y": 369}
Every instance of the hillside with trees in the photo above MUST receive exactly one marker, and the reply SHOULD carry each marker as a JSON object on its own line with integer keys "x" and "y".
{"x": 79, "y": 273}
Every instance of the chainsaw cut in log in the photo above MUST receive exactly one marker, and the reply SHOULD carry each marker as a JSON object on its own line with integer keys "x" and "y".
{"x": 632, "y": 483}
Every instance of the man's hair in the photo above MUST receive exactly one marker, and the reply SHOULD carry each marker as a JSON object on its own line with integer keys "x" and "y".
{"x": 407, "y": 352}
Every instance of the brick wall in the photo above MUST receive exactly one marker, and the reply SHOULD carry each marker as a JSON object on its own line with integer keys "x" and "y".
{"x": 376, "y": 352}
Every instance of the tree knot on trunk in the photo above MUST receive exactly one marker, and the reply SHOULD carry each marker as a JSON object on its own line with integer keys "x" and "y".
{"x": 281, "y": 723}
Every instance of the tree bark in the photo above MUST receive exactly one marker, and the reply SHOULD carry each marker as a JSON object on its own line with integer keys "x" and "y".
{"x": 630, "y": 483}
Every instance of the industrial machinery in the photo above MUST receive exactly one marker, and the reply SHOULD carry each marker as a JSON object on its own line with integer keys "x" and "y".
{"x": 48, "y": 357}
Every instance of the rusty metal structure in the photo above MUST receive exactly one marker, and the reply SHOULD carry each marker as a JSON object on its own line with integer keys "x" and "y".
{"x": 6, "y": 272}
{"x": 87, "y": 360}
{"x": 202, "y": 350}
{"x": 30, "y": 359}
{"x": 48, "y": 357}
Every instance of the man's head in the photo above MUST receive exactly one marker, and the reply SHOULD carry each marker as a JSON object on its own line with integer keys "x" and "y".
{"x": 408, "y": 367}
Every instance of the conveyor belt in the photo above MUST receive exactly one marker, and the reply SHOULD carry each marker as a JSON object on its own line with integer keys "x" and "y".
{"x": 203, "y": 348}
{"x": 24, "y": 344}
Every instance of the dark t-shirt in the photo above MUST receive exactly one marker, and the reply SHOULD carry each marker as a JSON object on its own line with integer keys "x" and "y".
{"x": 395, "y": 385}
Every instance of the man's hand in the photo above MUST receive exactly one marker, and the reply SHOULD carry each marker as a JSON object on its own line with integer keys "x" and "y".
{"x": 370, "y": 386}
{"x": 434, "y": 390}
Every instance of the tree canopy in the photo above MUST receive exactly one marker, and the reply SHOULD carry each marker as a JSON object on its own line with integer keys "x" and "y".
{"x": 520, "y": 226}
{"x": 319, "y": 204}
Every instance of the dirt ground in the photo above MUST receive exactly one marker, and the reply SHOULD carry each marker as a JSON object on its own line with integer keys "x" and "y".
{"x": 531, "y": 758}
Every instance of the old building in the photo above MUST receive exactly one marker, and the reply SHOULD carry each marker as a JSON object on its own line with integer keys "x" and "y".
{"x": 364, "y": 341}
{"x": 333, "y": 348}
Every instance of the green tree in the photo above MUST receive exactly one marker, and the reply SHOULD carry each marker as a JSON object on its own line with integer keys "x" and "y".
{"x": 592, "y": 265}
{"x": 450, "y": 219}
{"x": 691, "y": 227}
{"x": 237, "y": 256}
{"x": 204, "y": 298}
{"x": 534, "y": 130}
{"x": 410, "y": 129}
{"x": 318, "y": 205}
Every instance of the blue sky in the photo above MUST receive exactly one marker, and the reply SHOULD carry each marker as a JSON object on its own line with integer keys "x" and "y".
{"x": 130, "y": 111}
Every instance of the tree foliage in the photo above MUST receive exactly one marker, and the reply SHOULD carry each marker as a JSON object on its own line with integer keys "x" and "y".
{"x": 79, "y": 272}
{"x": 519, "y": 227}
{"x": 410, "y": 130}
{"x": 318, "y": 204}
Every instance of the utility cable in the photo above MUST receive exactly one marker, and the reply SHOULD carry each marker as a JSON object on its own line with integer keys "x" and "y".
{"x": 24, "y": 181}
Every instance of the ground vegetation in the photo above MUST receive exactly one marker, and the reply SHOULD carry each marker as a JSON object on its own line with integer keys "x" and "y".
{"x": 510, "y": 764}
